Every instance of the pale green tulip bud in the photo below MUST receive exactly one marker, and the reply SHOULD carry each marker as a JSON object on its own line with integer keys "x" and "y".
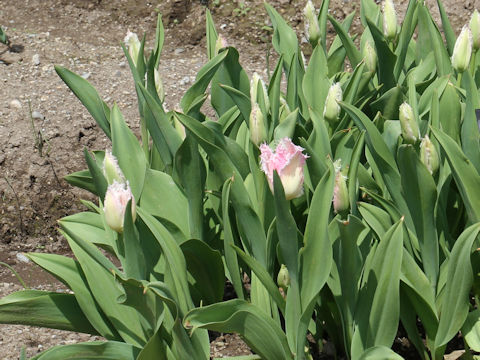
{"x": 370, "y": 57}
{"x": 111, "y": 170}
{"x": 312, "y": 28}
{"x": 341, "y": 201}
{"x": 116, "y": 200}
{"x": 475, "y": 29}
{"x": 429, "y": 155}
{"x": 462, "y": 51}
{"x": 389, "y": 20}
{"x": 410, "y": 130}
{"x": 133, "y": 46}
{"x": 254, "y": 83}
{"x": 258, "y": 133}
{"x": 283, "y": 278}
{"x": 179, "y": 127}
{"x": 332, "y": 108}
{"x": 159, "y": 85}
{"x": 220, "y": 44}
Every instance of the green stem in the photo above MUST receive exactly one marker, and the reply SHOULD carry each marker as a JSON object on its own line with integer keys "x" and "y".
{"x": 459, "y": 79}
{"x": 19, "y": 278}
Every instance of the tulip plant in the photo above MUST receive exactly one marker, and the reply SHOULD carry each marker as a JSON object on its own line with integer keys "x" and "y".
{"x": 343, "y": 210}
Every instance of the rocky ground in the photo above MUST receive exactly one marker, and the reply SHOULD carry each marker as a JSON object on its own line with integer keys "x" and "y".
{"x": 44, "y": 128}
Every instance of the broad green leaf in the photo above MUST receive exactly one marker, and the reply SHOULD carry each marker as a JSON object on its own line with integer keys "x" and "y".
{"x": 206, "y": 268}
{"x": 159, "y": 38}
{"x": 316, "y": 254}
{"x": 456, "y": 300}
{"x": 158, "y": 124}
{"x": 238, "y": 98}
{"x": 134, "y": 263}
{"x": 106, "y": 350}
{"x": 451, "y": 112}
{"x": 204, "y": 76}
{"x": 378, "y": 309}
{"x": 71, "y": 274}
{"x": 91, "y": 225}
{"x": 284, "y": 38}
{"x": 471, "y": 330}
{"x": 128, "y": 152}
{"x": 231, "y": 75}
{"x": 465, "y": 175}
{"x": 100, "y": 274}
{"x": 83, "y": 180}
{"x": 389, "y": 103}
{"x": 161, "y": 197}
{"x": 231, "y": 261}
{"x": 376, "y": 218}
{"x": 405, "y": 37}
{"x": 45, "y": 309}
{"x": 470, "y": 133}
{"x": 383, "y": 159}
{"x": 287, "y": 127}
{"x": 386, "y": 58}
{"x": 264, "y": 277}
{"x": 380, "y": 353}
{"x": 322, "y": 22}
{"x": 96, "y": 173}
{"x": 353, "y": 53}
{"x": 420, "y": 193}
{"x": 174, "y": 258}
{"x": 247, "y": 320}
{"x": 88, "y": 96}
{"x": 274, "y": 94}
{"x": 369, "y": 10}
{"x": 315, "y": 82}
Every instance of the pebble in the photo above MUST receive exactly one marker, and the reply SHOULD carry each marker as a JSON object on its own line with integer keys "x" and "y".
{"x": 179, "y": 51}
{"x": 16, "y": 104}
{"x": 37, "y": 115}
{"x": 22, "y": 258}
{"x": 122, "y": 64}
{"x": 36, "y": 59}
{"x": 185, "y": 80}
{"x": 85, "y": 75}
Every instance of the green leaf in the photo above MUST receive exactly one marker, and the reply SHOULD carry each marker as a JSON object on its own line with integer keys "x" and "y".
{"x": 239, "y": 98}
{"x": 106, "y": 350}
{"x": 284, "y": 38}
{"x": 204, "y": 76}
{"x": 206, "y": 268}
{"x": 353, "y": 53}
{"x": 420, "y": 193}
{"x": 44, "y": 309}
{"x": 128, "y": 152}
{"x": 389, "y": 103}
{"x": 470, "y": 133}
{"x": 89, "y": 97}
{"x": 464, "y": 173}
{"x": 383, "y": 159}
{"x": 71, "y": 274}
{"x": 405, "y": 37}
{"x": 231, "y": 75}
{"x": 380, "y": 353}
{"x": 247, "y": 320}
{"x": 387, "y": 58}
{"x": 451, "y": 111}
{"x": 96, "y": 173}
{"x": 316, "y": 254}
{"x": 91, "y": 225}
{"x": 456, "y": 299}
{"x": 471, "y": 330}
{"x": 315, "y": 82}
{"x": 163, "y": 198}
{"x": 378, "y": 309}
{"x": 83, "y": 180}
{"x": 231, "y": 261}
{"x": 211, "y": 35}
{"x": 446, "y": 28}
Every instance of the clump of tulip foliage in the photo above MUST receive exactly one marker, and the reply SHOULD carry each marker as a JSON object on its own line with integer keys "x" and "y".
{"x": 351, "y": 201}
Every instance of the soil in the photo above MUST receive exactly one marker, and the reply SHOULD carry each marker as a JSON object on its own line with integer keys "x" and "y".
{"x": 44, "y": 128}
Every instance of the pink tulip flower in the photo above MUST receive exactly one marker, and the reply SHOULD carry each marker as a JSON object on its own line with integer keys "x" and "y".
{"x": 288, "y": 161}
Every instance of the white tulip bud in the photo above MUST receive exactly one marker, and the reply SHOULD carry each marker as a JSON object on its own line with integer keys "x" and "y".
{"x": 116, "y": 200}
{"x": 475, "y": 29}
{"x": 133, "y": 46}
{"x": 111, "y": 170}
{"x": 389, "y": 20}
{"x": 332, "y": 108}
{"x": 312, "y": 28}
{"x": 462, "y": 51}
{"x": 410, "y": 130}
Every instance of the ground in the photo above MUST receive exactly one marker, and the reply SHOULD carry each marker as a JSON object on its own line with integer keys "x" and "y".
{"x": 44, "y": 128}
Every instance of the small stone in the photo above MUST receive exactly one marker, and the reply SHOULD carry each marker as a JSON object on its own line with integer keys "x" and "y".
{"x": 22, "y": 258}
{"x": 36, "y": 59}
{"x": 37, "y": 115}
{"x": 16, "y": 104}
{"x": 85, "y": 75}
{"x": 122, "y": 64}
{"x": 185, "y": 80}
{"x": 179, "y": 51}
